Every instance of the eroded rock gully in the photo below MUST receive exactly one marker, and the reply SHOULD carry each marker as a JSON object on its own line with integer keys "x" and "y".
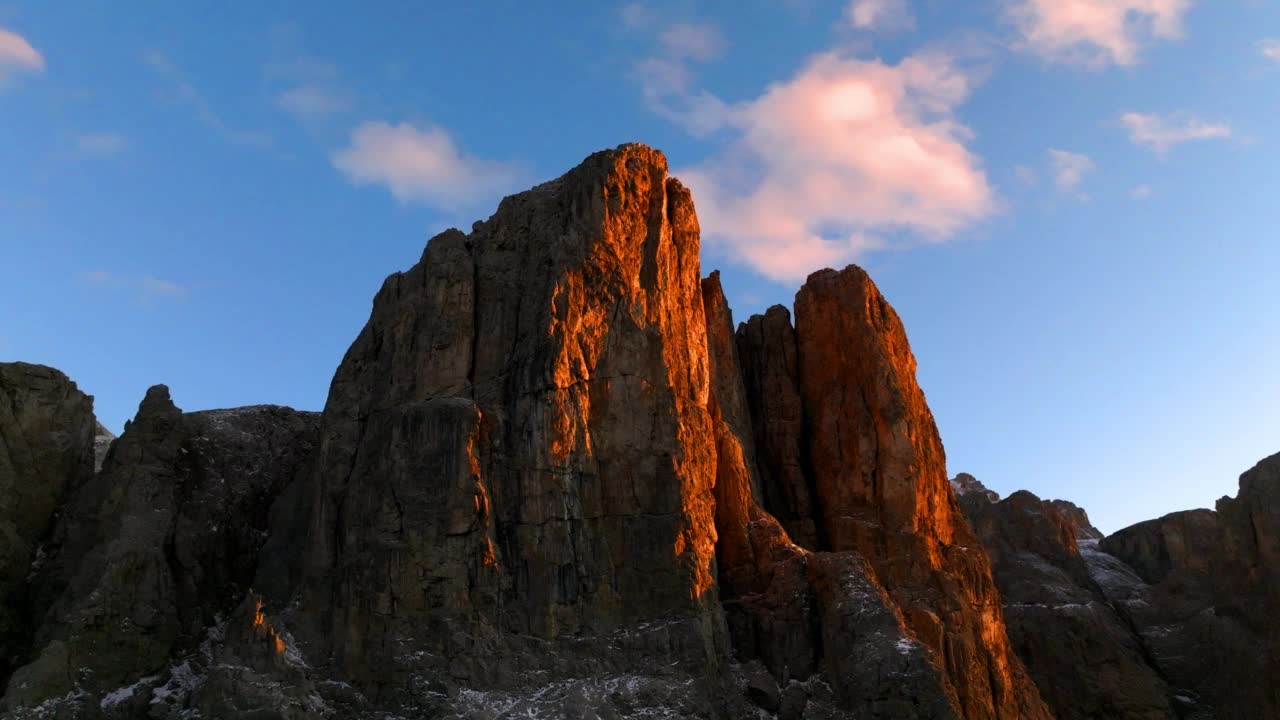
{"x": 552, "y": 480}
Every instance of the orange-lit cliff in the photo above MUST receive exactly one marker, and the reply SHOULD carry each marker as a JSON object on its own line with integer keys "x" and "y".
{"x": 552, "y": 480}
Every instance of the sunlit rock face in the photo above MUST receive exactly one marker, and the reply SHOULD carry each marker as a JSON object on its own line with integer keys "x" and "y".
{"x": 873, "y": 462}
{"x": 515, "y": 480}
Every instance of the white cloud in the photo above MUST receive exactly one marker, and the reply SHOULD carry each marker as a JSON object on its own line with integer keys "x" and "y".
{"x": 420, "y": 165}
{"x": 17, "y": 56}
{"x": 880, "y": 15}
{"x": 1096, "y": 32}
{"x": 1163, "y": 132}
{"x": 101, "y": 143}
{"x": 1026, "y": 176}
{"x": 1271, "y": 49}
{"x": 1069, "y": 168}
{"x": 837, "y": 159}
{"x": 1140, "y": 192}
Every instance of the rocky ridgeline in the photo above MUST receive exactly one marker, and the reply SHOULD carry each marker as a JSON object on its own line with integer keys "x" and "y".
{"x": 552, "y": 480}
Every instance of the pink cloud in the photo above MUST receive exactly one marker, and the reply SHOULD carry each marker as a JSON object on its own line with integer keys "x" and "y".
{"x": 17, "y": 55}
{"x": 1069, "y": 168}
{"x": 880, "y": 15}
{"x": 827, "y": 163}
{"x": 1096, "y": 32}
{"x": 420, "y": 165}
{"x": 1271, "y": 49}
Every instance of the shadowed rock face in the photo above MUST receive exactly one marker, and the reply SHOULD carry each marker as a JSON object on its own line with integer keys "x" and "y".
{"x": 1174, "y": 617}
{"x": 150, "y": 552}
{"x": 1203, "y": 596}
{"x": 1082, "y": 655}
{"x": 46, "y": 452}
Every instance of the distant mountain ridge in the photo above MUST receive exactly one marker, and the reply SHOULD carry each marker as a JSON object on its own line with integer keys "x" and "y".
{"x": 552, "y": 480}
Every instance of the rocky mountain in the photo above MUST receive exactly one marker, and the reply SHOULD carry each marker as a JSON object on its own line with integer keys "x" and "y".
{"x": 553, "y": 480}
{"x": 1169, "y": 618}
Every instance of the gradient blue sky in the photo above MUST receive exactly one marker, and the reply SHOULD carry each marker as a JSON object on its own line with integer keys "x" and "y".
{"x": 1071, "y": 203}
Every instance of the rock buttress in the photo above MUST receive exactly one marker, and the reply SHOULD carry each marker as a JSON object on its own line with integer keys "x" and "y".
{"x": 149, "y": 554}
{"x": 1083, "y": 656}
{"x": 517, "y": 462}
{"x": 1203, "y": 595}
{"x": 46, "y": 452}
{"x": 873, "y": 457}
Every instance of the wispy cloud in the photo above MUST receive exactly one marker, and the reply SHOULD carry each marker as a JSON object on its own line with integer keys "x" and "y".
{"x": 146, "y": 287}
{"x": 101, "y": 144}
{"x": 1026, "y": 175}
{"x": 185, "y": 93}
{"x": 1163, "y": 132}
{"x": 693, "y": 41}
{"x": 666, "y": 76}
{"x": 307, "y": 101}
{"x": 840, "y": 158}
{"x": 421, "y": 165}
{"x": 306, "y": 87}
{"x": 1069, "y": 168}
{"x": 17, "y": 56}
{"x": 884, "y": 15}
{"x": 1140, "y": 192}
{"x": 1095, "y": 33}
{"x": 1271, "y": 49}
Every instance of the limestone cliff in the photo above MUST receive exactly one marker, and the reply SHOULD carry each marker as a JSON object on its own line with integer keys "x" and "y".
{"x": 551, "y": 480}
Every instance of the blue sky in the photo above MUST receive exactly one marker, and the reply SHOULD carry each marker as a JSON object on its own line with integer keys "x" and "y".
{"x": 1071, "y": 203}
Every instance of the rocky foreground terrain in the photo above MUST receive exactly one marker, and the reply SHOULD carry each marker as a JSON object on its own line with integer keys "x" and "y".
{"x": 552, "y": 480}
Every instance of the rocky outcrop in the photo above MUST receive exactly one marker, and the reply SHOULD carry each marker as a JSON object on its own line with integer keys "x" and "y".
{"x": 46, "y": 452}
{"x": 1203, "y": 595}
{"x": 1059, "y": 620}
{"x": 517, "y": 461}
{"x": 880, "y": 477}
{"x": 1077, "y": 519}
{"x": 102, "y": 439}
{"x": 1173, "y": 617}
{"x": 819, "y": 623}
{"x": 770, "y": 371}
{"x": 154, "y": 550}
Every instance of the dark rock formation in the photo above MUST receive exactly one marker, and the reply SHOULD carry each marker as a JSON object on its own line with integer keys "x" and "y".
{"x": 770, "y": 371}
{"x": 1173, "y": 617}
{"x": 46, "y": 452}
{"x": 151, "y": 552}
{"x": 1203, "y": 595}
{"x": 1081, "y": 654}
